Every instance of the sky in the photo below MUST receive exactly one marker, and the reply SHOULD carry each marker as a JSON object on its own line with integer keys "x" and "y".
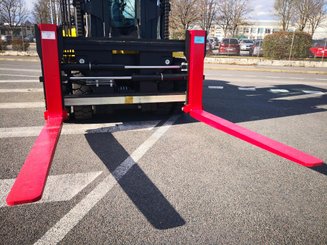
{"x": 262, "y": 9}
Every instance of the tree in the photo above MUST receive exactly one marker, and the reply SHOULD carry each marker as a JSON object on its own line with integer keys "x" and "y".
{"x": 41, "y": 12}
{"x": 231, "y": 14}
{"x": 13, "y": 13}
{"x": 183, "y": 14}
{"x": 46, "y": 11}
{"x": 240, "y": 10}
{"x": 319, "y": 10}
{"x": 284, "y": 9}
{"x": 224, "y": 17}
{"x": 207, "y": 13}
{"x": 303, "y": 12}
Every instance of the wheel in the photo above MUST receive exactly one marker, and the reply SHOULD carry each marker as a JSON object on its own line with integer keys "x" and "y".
{"x": 82, "y": 112}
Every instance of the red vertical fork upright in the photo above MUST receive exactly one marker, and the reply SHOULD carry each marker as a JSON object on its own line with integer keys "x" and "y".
{"x": 31, "y": 180}
{"x": 195, "y": 55}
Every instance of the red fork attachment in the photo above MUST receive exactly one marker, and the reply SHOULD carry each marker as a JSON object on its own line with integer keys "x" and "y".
{"x": 30, "y": 182}
{"x": 196, "y": 48}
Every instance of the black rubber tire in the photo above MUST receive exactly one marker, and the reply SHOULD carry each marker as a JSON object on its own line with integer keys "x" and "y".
{"x": 164, "y": 108}
{"x": 82, "y": 112}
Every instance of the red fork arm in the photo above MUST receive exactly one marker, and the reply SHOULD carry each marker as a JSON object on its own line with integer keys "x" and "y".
{"x": 30, "y": 182}
{"x": 195, "y": 54}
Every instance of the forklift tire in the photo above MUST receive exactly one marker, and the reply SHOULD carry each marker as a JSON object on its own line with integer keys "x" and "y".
{"x": 164, "y": 108}
{"x": 82, "y": 112}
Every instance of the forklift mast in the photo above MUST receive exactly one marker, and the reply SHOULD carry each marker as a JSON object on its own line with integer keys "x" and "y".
{"x": 116, "y": 54}
{"x": 143, "y": 19}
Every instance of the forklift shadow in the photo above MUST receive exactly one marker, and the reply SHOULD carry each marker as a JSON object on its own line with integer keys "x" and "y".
{"x": 243, "y": 104}
{"x": 136, "y": 184}
{"x": 248, "y": 104}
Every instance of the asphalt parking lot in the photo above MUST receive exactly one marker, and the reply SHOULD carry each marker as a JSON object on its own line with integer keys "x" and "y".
{"x": 140, "y": 178}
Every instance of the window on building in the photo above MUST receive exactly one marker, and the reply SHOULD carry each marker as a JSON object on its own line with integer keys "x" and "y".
{"x": 268, "y": 31}
{"x": 260, "y": 30}
{"x": 246, "y": 30}
{"x": 253, "y": 30}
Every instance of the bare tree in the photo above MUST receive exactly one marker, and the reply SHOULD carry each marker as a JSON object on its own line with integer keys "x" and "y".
{"x": 184, "y": 13}
{"x": 224, "y": 17}
{"x": 240, "y": 11}
{"x": 46, "y": 11}
{"x": 207, "y": 13}
{"x": 13, "y": 13}
{"x": 284, "y": 9}
{"x": 41, "y": 12}
{"x": 231, "y": 14}
{"x": 302, "y": 13}
{"x": 318, "y": 15}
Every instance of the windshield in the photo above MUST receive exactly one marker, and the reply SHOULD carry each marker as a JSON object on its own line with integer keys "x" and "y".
{"x": 123, "y": 13}
{"x": 319, "y": 43}
{"x": 230, "y": 41}
{"x": 247, "y": 41}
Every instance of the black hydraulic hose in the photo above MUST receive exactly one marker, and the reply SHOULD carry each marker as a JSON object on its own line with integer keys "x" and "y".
{"x": 80, "y": 67}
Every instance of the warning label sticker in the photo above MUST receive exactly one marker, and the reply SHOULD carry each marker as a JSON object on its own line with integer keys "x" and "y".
{"x": 199, "y": 40}
{"x": 49, "y": 35}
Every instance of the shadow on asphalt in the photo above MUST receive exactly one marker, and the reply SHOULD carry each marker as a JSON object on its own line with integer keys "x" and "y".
{"x": 321, "y": 169}
{"x": 263, "y": 103}
{"x": 230, "y": 103}
{"x": 136, "y": 184}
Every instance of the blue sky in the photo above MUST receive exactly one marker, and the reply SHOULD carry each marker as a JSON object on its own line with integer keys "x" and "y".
{"x": 262, "y": 10}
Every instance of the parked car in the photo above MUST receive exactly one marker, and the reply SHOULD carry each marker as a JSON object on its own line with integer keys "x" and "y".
{"x": 246, "y": 44}
{"x": 229, "y": 46}
{"x": 6, "y": 38}
{"x": 319, "y": 48}
{"x": 29, "y": 38}
{"x": 208, "y": 45}
{"x": 256, "y": 49}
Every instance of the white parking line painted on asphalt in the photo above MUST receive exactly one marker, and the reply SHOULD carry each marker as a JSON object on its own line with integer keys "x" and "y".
{"x": 312, "y": 92}
{"x": 22, "y": 105}
{"x": 273, "y": 77}
{"x": 296, "y": 78}
{"x": 56, "y": 233}
{"x": 299, "y": 97}
{"x": 74, "y": 129}
{"x": 321, "y": 79}
{"x": 22, "y": 90}
{"x": 19, "y": 81}
{"x": 58, "y": 188}
{"x": 18, "y": 75}
{"x": 250, "y": 76}
{"x": 215, "y": 87}
{"x": 247, "y": 88}
{"x": 277, "y": 91}
{"x": 20, "y": 70}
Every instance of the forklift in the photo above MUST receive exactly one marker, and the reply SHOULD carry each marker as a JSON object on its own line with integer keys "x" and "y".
{"x": 117, "y": 53}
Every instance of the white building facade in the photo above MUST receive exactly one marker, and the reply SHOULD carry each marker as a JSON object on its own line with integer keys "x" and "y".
{"x": 258, "y": 29}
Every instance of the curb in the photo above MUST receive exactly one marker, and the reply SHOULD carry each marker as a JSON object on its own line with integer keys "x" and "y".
{"x": 34, "y": 59}
{"x": 265, "y": 70}
{"x": 266, "y": 62}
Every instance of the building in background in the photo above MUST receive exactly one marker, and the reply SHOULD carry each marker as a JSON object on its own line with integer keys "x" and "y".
{"x": 258, "y": 29}
{"x": 22, "y": 30}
